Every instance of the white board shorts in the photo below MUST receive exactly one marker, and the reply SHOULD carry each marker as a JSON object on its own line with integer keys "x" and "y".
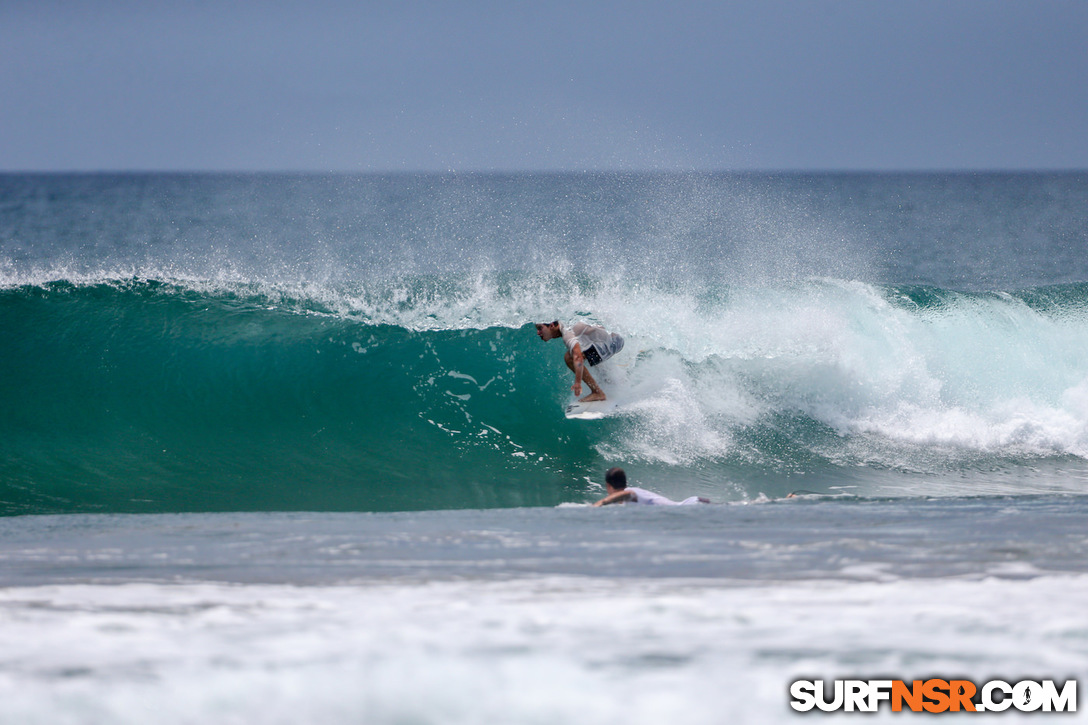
{"x": 596, "y": 353}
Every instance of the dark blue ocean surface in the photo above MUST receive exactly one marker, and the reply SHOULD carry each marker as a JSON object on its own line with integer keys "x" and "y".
{"x": 806, "y": 538}
{"x": 982, "y": 232}
{"x": 287, "y": 449}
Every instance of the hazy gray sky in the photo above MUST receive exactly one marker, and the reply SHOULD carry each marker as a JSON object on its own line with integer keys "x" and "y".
{"x": 507, "y": 85}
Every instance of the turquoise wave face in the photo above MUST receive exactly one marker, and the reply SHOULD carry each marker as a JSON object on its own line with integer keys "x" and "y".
{"x": 150, "y": 395}
{"x": 143, "y": 396}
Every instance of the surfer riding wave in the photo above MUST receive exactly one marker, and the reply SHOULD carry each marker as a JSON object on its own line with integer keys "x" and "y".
{"x": 587, "y": 345}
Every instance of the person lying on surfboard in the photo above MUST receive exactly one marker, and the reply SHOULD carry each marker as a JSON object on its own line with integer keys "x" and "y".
{"x": 615, "y": 480}
{"x": 586, "y": 345}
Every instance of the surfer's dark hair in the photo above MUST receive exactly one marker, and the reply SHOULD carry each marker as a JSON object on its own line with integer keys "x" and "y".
{"x": 616, "y": 478}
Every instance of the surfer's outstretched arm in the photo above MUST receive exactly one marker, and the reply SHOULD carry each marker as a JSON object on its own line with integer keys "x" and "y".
{"x": 576, "y": 361}
{"x": 617, "y": 497}
{"x": 579, "y": 368}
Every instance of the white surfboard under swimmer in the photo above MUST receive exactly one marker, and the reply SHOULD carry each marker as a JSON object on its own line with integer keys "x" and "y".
{"x": 591, "y": 411}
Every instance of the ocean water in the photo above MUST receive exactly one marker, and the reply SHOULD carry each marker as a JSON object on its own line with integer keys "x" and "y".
{"x": 286, "y": 448}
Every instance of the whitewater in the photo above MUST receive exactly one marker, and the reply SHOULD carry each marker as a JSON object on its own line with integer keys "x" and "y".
{"x": 287, "y": 448}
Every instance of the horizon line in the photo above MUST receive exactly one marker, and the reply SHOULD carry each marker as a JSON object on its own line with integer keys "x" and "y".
{"x": 784, "y": 171}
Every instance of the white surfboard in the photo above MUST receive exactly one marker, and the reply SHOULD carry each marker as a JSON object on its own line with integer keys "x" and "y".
{"x": 591, "y": 411}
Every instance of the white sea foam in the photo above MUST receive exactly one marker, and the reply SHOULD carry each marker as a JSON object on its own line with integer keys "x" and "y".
{"x": 984, "y": 376}
{"x": 537, "y": 650}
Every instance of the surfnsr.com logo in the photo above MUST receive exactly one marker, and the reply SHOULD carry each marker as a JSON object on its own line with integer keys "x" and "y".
{"x": 934, "y": 695}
